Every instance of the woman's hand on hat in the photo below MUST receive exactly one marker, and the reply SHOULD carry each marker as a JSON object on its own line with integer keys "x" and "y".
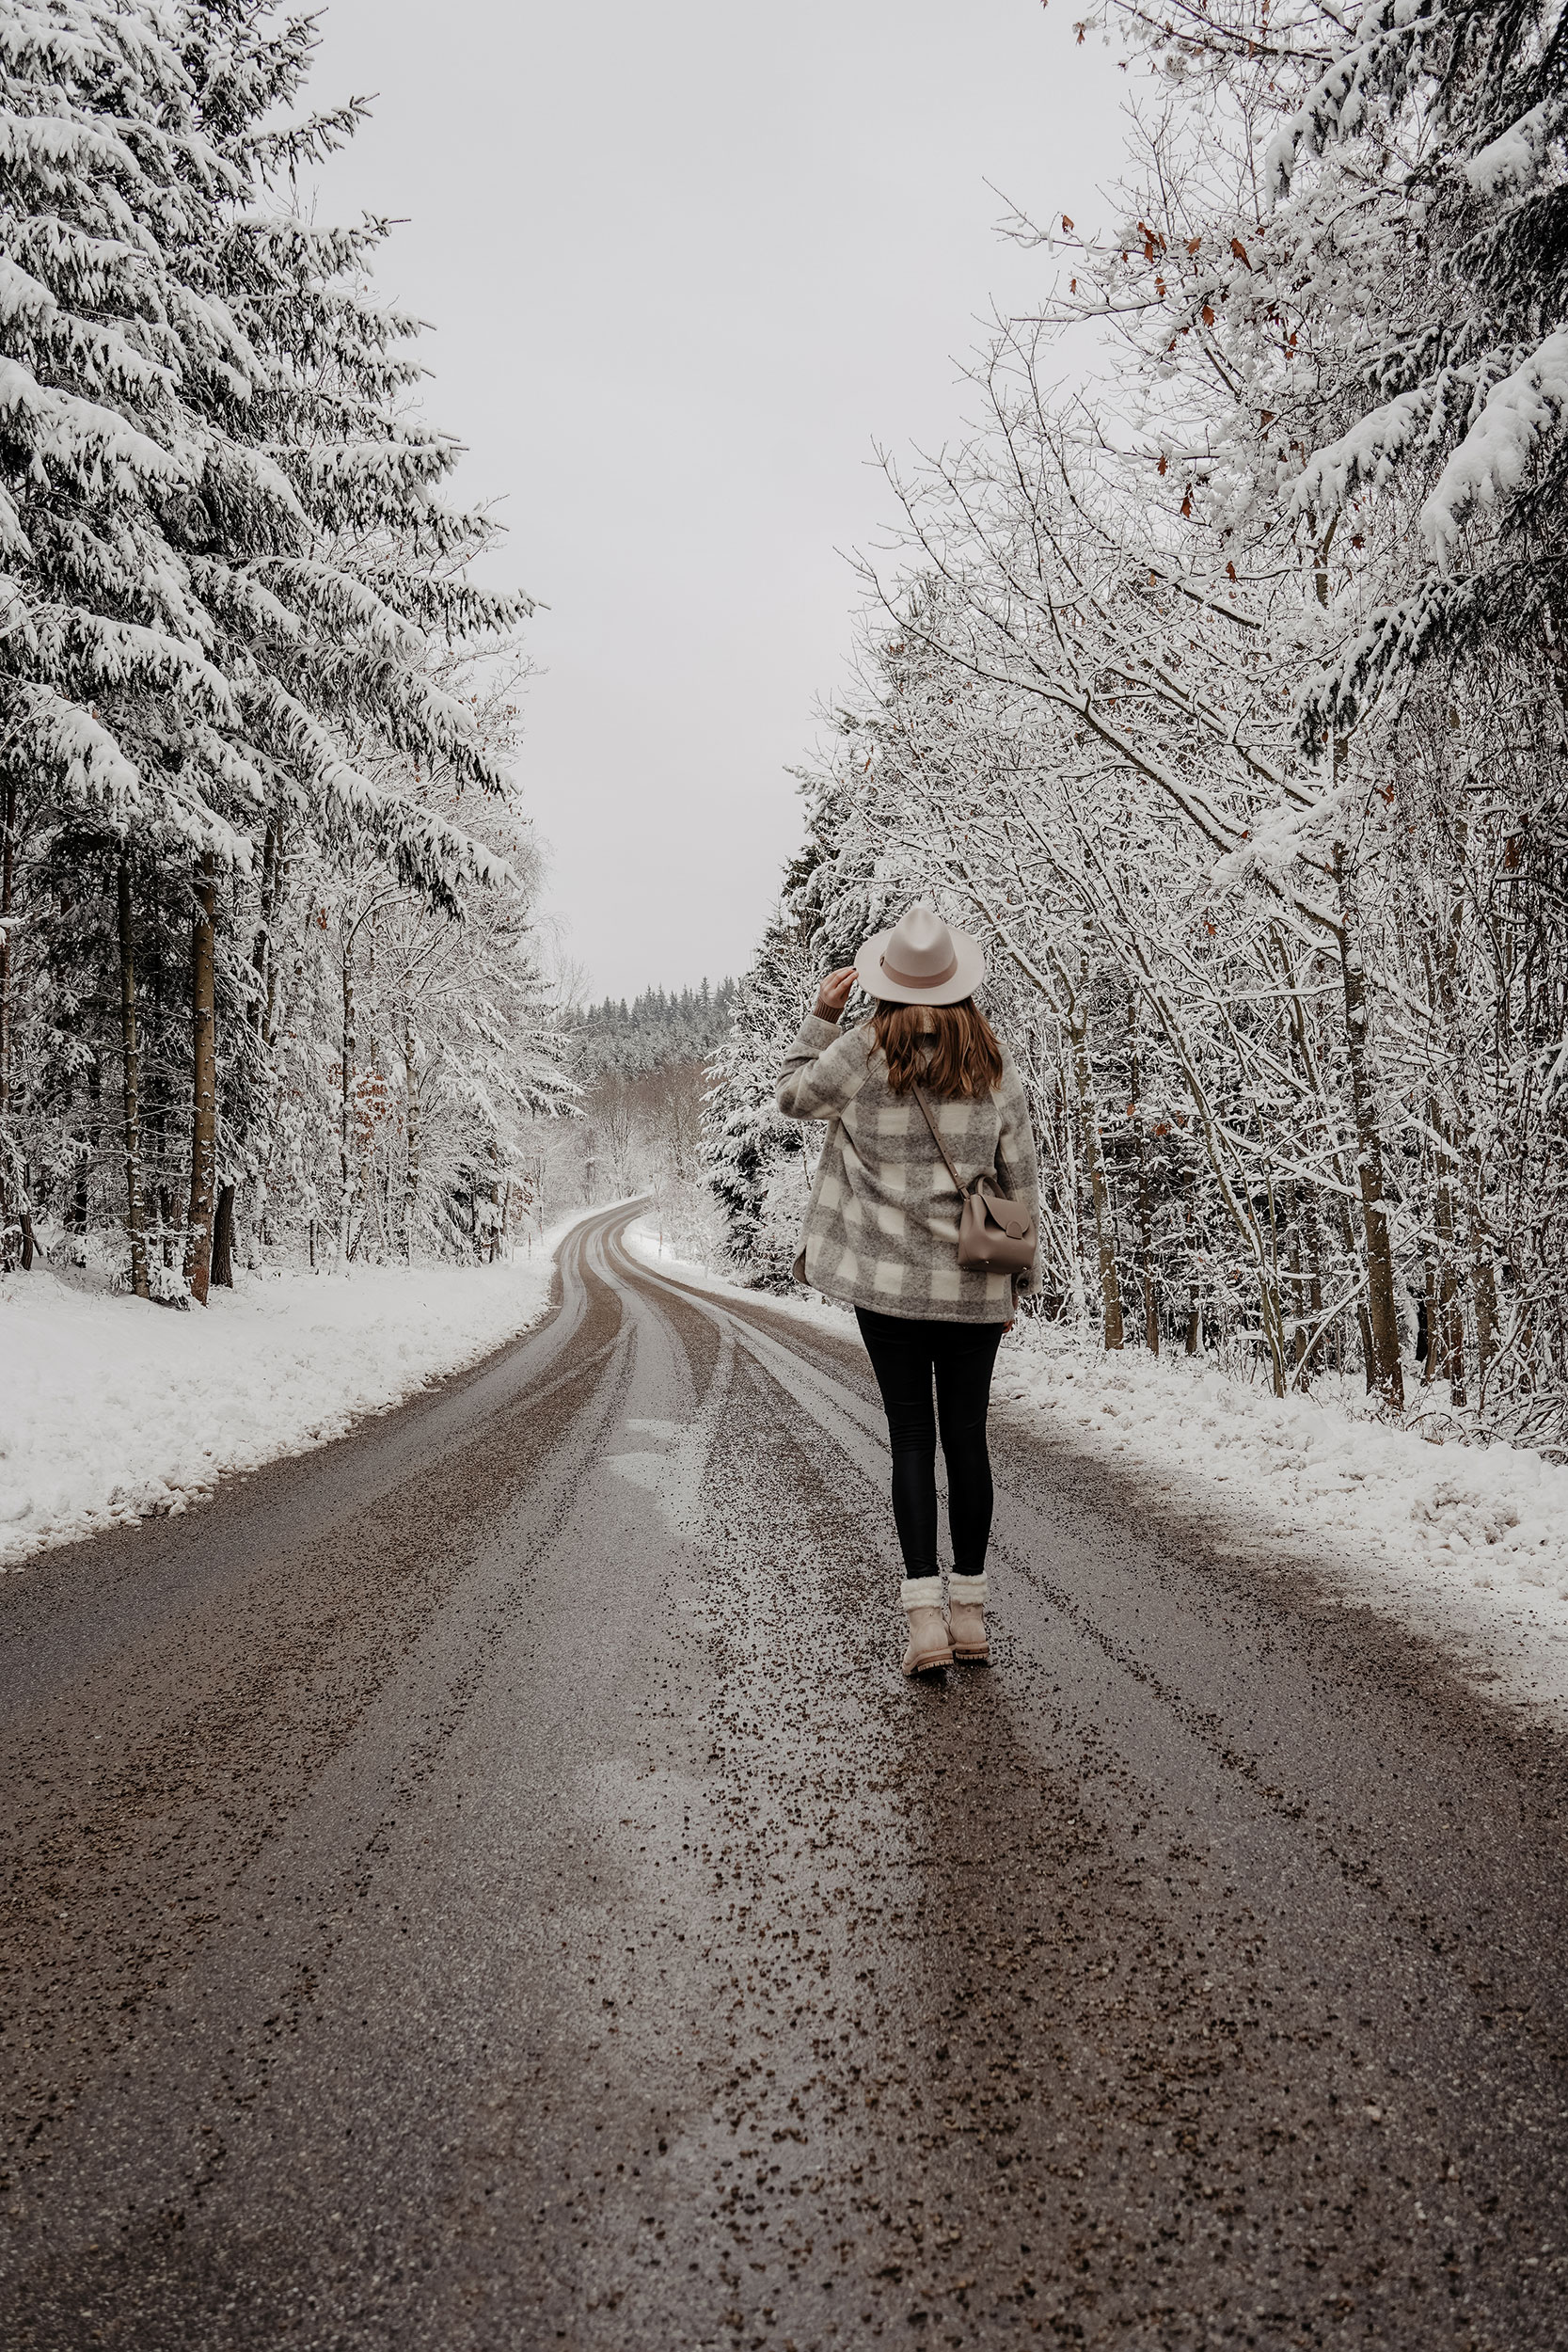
{"x": 833, "y": 994}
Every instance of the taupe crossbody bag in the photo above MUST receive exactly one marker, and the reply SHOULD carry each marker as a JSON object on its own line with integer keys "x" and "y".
{"x": 995, "y": 1233}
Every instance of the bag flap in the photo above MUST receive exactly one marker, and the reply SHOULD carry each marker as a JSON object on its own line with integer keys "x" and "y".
{"x": 1010, "y": 1217}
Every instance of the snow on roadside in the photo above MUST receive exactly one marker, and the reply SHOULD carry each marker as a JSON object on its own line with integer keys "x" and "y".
{"x": 1466, "y": 1543}
{"x": 805, "y": 1305}
{"x": 112, "y": 1409}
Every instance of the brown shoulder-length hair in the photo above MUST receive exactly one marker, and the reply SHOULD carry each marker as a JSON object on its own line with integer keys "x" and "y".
{"x": 966, "y": 1057}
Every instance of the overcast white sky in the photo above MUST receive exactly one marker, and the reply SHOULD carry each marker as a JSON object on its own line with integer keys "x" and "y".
{"x": 683, "y": 264}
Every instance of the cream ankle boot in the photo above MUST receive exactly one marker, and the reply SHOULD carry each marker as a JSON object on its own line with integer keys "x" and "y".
{"x": 966, "y": 1617}
{"x": 928, "y": 1645}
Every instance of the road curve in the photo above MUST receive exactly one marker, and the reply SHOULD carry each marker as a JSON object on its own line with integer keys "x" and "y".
{"x": 486, "y": 1885}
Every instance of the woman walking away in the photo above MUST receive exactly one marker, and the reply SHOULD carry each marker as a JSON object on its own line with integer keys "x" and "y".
{"x": 924, "y": 1108}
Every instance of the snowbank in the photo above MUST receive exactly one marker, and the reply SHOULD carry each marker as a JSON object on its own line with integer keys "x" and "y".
{"x": 112, "y": 1408}
{"x": 1467, "y": 1543}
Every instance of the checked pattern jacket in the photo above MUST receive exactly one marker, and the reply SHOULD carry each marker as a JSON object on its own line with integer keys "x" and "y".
{"x": 882, "y": 1223}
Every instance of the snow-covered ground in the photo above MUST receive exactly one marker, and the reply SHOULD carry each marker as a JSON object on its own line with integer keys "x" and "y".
{"x": 112, "y": 1408}
{"x": 1467, "y": 1543}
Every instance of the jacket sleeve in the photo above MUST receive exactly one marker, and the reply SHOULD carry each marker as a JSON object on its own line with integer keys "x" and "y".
{"x": 1016, "y": 1149}
{"x": 823, "y": 1070}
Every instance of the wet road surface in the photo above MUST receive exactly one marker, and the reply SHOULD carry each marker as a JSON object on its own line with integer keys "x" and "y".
{"x": 486, "y": 1884}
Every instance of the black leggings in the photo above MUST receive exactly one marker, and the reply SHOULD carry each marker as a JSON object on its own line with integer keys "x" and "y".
{"x": 903, "y": 1354}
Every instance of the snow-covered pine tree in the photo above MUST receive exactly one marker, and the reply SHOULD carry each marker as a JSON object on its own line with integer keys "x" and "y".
{"x": 1399, "y": 214}
{"x": 101, "y": 189}
{"x": 655, "y": 1030}
{"x": 335, "y": 594}
{"x": 750, "y": 1155}
{"x": 1457, "y": 117}
{"x": 234, "y": 588}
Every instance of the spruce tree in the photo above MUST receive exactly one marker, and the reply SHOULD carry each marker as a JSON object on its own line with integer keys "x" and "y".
{"x": 235, "y": 588}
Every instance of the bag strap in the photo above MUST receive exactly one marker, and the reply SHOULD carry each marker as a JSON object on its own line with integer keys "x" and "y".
{"x": 963, "y": 1189}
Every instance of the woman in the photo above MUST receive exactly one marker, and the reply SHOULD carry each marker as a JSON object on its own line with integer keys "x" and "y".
{"x": 882, "y": 1232}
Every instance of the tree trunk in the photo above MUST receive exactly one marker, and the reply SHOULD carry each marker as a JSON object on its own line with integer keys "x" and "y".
{"x": 370, "y": 1185}
{"x": 1363, "y": 1321}
{"x": 279, "y": 899}
{"x": 1271, "y": 1297}
{"x": 1094, "y": 1160}
{"x": 223, "y": 1238}
{"x": 1194, "y": 1310}
{"x": 204, "y": 1085}
{"x": 155, "y": 1184}
{"x": 10, "y": 1207}
{"x": 1485, "y": 1285}
{"x": 1314, "y": 1274}
{"x": 345, "y": 1114}
{"x": 1426, "y": 1322}
{"x": 130, "y": 1088}
{"x": 1298, "y": 1318}
{"x": 1072, "y": 1214}
{"x": 1449, "y": 1311}
{"x": 81, "y": 1214}
{"x": 1339, "y": 1206}
{"x": 1381, "y": 1312}
{"x": 1460, "y": 1197}
{"x": 411, "y": 1174}
{"x": 1145, "y": 1222}
{"x": 260, "y": 954}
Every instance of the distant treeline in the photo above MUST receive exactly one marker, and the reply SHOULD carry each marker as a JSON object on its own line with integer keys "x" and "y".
{"x": 656, "y": 1029}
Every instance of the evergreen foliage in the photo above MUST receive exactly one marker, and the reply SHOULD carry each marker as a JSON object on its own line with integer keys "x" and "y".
{"x": 749, "y": 1153}
{"x": 246, "y": 724}
{"x": 1403, "y": 224}
{"x": 656, "y": 1029}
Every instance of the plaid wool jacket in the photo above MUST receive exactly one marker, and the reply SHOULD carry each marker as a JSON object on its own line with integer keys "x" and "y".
{"x": 883, "y": 1222}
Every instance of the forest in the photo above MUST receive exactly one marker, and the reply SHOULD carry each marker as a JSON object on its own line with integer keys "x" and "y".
{"x": 657, "y": 1028}
{"x": 1214, "y": 677}
{"x": 1212, "y": 674}
{"x": 642, "y": 1071}
{"x": 269, "y": 979}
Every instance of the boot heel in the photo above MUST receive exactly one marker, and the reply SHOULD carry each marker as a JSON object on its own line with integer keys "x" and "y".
{"x": 966, "y": 1625}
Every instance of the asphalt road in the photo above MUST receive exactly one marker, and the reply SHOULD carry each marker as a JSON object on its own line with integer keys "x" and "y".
{"x": 486, "y": 1884}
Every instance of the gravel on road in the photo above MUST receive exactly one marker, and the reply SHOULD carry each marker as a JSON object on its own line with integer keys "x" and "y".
{"x": 486, "y": 1884}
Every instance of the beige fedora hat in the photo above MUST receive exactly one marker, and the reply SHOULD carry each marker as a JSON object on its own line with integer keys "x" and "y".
{"x": 921, "y": 960}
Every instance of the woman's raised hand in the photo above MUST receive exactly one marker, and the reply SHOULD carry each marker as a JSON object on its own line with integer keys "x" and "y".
{"x": 833, "y": 994}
